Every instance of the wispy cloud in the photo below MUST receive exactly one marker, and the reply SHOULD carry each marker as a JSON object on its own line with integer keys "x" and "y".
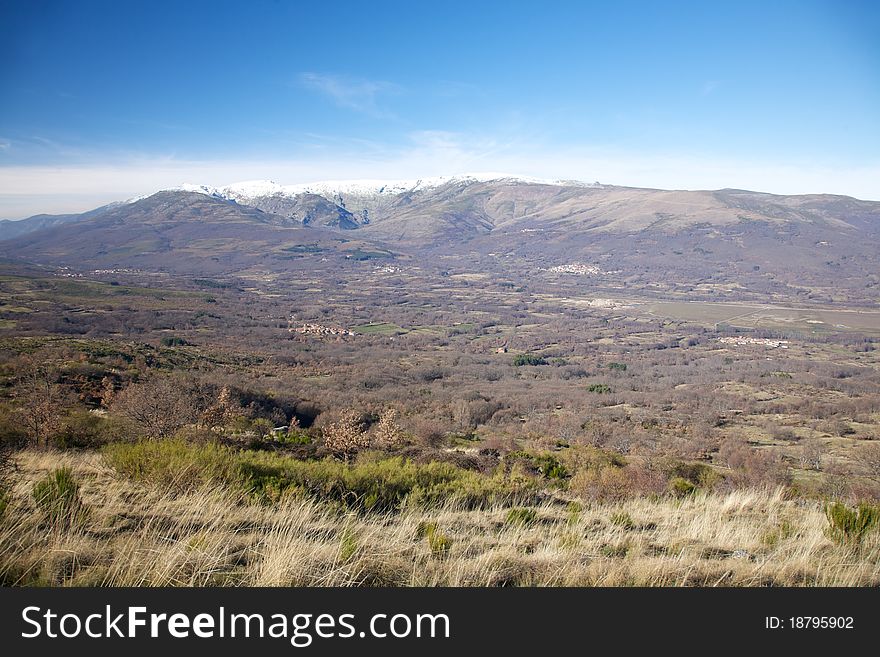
{"x": 357, "y": 94}
{"x": 5, "y": 144}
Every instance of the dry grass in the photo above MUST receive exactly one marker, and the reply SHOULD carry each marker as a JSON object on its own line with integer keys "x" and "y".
{"x": 136, "y": 536}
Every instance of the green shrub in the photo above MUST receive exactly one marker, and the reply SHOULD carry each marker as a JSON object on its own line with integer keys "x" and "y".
{"x": 57, "y": 496}
{"x": 348, "y": 544}
{"x": 599, "y": 388}
{"x": 438, "y": 542}
{"x": 582, "y": 457}
{"x": 528, "y": 359}
{"x": 520, "y": 517}
{"x": 175, "y": 463}
{"x": 699, "y": 474}
{"x": 84, "y": 430}
{"x": 619, "y": 367}
{"x": 547, "y": 465}
{"x": 550, "y": 467}
{"x": 376, "y": 484}
{"x": 174, "y": 342}
{"x": 847, "y": 525}
{"x": 573, "y": 512}
{"x": 383, "y": 484}
{"x": 681, "y": 487}
{"x": 295, "y": 437}
{"x": 622, "y": 519}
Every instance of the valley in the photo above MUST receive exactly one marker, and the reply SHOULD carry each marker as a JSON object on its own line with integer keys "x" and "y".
{"x": 492, "y": 382}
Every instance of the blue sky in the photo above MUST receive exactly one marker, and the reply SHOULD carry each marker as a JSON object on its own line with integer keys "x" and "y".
{"x": 104, "y": 100}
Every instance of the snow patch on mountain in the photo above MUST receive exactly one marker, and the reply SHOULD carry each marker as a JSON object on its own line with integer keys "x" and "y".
{"x": 255, "y": 189}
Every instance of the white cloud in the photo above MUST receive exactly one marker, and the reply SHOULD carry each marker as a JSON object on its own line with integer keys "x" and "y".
{"x": 355, "y": 94}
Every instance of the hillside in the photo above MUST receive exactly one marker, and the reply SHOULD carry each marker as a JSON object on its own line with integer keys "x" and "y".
{"x": 183, "y": 231}
{"x": 727, "y": 242}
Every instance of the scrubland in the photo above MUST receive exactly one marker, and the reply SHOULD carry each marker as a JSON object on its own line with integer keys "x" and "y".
{"x": 429, "y": 431}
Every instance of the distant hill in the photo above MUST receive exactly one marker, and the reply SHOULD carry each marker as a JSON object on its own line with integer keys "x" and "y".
{"x": 10, "y": 229}
{"x": 182, "y": 231}
{"x": 816, "y": 246}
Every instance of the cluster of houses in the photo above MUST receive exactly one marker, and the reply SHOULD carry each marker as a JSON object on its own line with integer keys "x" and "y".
{"x": 578, "y": 268}
{"x": 765, "y": 342}
{"x": 319, "y": 329}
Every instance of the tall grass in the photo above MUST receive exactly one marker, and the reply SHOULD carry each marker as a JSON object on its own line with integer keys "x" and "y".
{"x": 144, "y": 535}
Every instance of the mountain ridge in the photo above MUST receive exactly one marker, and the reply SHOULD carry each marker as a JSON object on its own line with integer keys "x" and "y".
{"x": 726, "y": 240}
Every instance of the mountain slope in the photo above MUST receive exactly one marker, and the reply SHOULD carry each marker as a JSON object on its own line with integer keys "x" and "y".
{"x": 10, "y": 229}
{"x": 176, "y": 231}
{"x": 725, "y": 244}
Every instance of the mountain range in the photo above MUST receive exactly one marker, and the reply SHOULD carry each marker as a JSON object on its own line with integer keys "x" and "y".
{"x": 815, "y": 246}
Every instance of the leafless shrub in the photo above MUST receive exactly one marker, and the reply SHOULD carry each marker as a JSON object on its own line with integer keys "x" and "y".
{"x": 868, "y": 457}
{"x": 812, "y": 452}
{"x": 40, "y": 402}
{"x": 785, "y": 434}
{"x": 158, "y": 407}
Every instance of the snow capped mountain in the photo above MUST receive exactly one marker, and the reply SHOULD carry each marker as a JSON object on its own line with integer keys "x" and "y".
{"x": 258, "y": 189}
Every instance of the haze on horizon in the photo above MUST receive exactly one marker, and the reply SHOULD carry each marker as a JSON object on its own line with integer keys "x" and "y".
{"x": 104, "y": 101}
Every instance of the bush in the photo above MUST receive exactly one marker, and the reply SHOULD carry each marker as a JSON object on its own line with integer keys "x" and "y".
{"x": 295, "y": 437}
{"x": 547, "y": 465}
{"x": 619, "y": 367}
{"x": 84, "y": 430}
{"x": 347, "y": 435}
{"x": 698, "y": 474}
{"x": 528, "y": 359}
{"x": 622, "y": 519}
{"x": 175, "y": 463}
{"x": 438, "y": 542}
{"x": 681, "y": 487}
{"x": 847, "y": 525}
{"x": 174, "y": 342}
{"x": 606, "y": 484}
{"x": 599, "y": 388}
{"x": 57, "y": 496}
{"x": 383, "y": 484}
{"x": 520, "y": 517}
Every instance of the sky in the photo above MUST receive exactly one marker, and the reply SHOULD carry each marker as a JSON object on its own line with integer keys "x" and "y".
{"x": 102, "y": 101}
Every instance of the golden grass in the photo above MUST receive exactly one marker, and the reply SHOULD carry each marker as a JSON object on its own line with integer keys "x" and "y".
{"x": 137, "y": 536}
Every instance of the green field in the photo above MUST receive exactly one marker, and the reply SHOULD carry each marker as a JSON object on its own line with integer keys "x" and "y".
{"x": 378, "y": 328}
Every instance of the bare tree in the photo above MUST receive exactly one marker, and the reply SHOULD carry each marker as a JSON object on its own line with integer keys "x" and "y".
{"x": 812, "y": 452}
{"x": 158, "y": 407}
{"x": 40, "y": 402}
{"x": 869, "y": 458}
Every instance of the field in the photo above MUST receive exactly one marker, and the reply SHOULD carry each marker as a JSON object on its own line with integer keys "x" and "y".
{"x": 351, "y": 423}
{"x": 144, "y": 536}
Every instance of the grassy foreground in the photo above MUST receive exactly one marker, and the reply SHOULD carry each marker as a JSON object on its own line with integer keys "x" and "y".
{"x": 129, "y": 532}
